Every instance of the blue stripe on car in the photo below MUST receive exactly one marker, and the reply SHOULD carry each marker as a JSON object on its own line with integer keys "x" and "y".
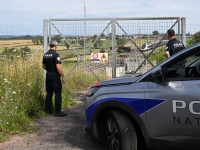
{"x": 137, "y": 104}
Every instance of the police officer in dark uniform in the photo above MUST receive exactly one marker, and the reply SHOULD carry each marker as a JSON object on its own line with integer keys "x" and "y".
{"x": 52, "y": 64}
{"x": 173, "y": 46}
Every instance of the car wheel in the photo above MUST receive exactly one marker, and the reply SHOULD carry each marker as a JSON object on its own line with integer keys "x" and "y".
{"x": 120, "y": 132}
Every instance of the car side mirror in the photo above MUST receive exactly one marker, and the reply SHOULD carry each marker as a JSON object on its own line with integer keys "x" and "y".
{"x": 157, "y": 75}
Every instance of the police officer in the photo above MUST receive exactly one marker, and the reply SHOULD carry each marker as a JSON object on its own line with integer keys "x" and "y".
{"x": 173, "y": 46}
{"x": 52, "y": 64}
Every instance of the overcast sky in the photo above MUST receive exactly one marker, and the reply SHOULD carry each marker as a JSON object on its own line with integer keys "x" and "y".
{"x": 30, "y": 13}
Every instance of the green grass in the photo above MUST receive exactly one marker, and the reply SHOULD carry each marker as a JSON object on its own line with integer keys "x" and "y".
{"x": 78, "y": 81}
{"x": 22, "y": 95}
{"x": 158, "y": 55}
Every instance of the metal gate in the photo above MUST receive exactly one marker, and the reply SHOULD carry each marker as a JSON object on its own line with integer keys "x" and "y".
{"x": 133, "y": 45}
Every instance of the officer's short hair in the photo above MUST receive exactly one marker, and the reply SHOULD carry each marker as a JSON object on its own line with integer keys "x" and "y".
{"x": 53, "y": 43}
{"x": 171, "y": 32}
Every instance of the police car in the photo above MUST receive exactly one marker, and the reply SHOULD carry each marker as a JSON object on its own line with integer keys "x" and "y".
{"x": 157, "y": 110}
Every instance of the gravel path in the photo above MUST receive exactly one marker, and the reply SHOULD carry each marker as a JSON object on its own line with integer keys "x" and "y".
{"x": 56, "y": 133}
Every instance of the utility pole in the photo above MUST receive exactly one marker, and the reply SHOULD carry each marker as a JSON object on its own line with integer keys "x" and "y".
{"x": 84, "y": 31}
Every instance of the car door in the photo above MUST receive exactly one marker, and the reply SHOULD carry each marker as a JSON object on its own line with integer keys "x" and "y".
{"x": 177, "y": 100}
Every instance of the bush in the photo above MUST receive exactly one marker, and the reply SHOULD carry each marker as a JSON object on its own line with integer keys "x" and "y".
{"x": 196, "y": 38}
{"x": 158, "y": 55}
{"x": 102, "y": 50}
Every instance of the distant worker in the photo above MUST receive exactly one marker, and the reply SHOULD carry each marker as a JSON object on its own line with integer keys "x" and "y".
{"x": 173, "y": 46}
{"x": 52, "y": 64}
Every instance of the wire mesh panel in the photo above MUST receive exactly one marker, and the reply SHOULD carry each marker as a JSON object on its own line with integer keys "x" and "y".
{"x": 141, "y": 42}
{"x": 97, "y": 49}
{"x": 84, "y": 64}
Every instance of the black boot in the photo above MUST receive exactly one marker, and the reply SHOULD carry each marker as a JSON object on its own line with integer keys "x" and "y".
{"x": 60, "y": 114}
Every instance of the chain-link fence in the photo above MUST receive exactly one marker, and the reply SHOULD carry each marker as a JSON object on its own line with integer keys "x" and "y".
{"x": 147, "y": 39}
{"x": 132, "y": 45}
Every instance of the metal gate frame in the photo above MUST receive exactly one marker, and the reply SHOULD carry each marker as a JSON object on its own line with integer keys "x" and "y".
{"x": 47, "y": 25}
{"x": 164, "y": 36}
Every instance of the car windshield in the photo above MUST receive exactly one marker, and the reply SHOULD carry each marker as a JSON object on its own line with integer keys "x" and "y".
{"x": 191, "y": 61}
{"x": 185, "y": 68}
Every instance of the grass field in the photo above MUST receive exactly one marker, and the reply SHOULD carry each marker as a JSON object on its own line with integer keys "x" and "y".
{"x": 66, "y": 54}
{"x": 18, "y": 44}
{"x": 70, "y": 54}
{"x": 62, "y": 50}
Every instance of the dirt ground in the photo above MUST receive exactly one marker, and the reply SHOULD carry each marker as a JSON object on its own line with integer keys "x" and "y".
{"x": 56, "y": 133}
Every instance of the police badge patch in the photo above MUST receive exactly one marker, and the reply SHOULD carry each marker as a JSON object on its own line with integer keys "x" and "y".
{"x": 58, "y": 58}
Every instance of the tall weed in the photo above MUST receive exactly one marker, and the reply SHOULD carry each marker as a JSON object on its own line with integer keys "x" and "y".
{"x": 22, "y": 94}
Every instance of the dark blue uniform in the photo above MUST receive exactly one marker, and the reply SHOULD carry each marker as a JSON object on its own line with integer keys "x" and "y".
{"x": 53, "y": 81}
{"x": 174, "y": 46}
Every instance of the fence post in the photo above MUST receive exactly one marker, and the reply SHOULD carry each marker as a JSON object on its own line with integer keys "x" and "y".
{"x": 45, "y": 34}
{"x": 183, "y": 30}
{"x": 179, "y": 28}
{"x": 49, "y": 30}
{"x": 113, "y": 48}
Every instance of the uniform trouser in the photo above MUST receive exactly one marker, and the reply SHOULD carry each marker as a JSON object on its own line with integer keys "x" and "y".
{"x": 53, "y": 85}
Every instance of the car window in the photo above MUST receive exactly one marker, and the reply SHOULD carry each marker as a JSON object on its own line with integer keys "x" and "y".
{"x": 186, "y": 68}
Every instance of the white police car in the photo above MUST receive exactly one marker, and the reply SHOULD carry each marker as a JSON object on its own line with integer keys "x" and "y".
{"x": 157, "y": 110}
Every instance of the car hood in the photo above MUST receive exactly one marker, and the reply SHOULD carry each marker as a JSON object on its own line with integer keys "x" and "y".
{"x": 120, "y": 81}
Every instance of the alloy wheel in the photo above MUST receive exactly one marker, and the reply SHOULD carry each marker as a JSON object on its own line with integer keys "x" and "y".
{"x": 112, "y": 135}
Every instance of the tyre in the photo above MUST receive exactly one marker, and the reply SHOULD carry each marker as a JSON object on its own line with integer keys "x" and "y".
{"x": 120, "y": 132}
